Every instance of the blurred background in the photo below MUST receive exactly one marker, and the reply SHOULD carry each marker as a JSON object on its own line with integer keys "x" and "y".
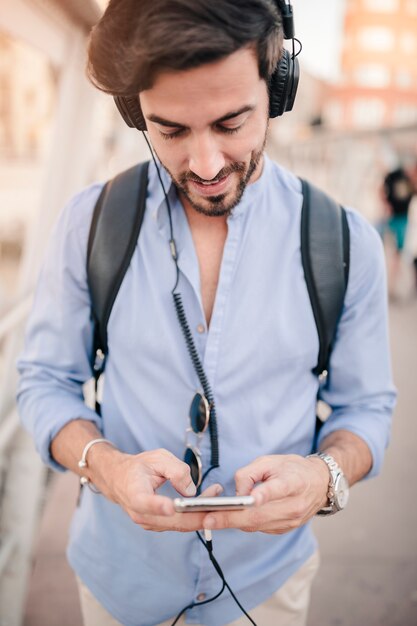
{"x": 354, "y": 122}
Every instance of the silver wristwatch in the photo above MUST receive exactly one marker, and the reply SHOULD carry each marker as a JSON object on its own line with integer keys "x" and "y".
{"x": 338, "y": 493}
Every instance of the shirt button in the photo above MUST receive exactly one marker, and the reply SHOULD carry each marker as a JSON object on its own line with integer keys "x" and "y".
{"x": 201, "y": 597}
{"x": 201, "y": 329}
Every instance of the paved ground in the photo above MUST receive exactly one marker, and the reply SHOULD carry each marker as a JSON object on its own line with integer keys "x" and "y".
{"x": 369, "y": 553}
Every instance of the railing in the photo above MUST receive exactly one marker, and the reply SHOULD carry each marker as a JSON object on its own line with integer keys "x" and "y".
{"x": 349, "y": 166}
{"x": 52, "y": 30}
{"x": 9, "y": 423}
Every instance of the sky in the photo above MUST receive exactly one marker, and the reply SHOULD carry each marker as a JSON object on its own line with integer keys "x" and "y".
{"x": 318, "y": 25}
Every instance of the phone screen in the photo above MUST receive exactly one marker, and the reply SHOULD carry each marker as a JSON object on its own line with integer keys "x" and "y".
{"x": 219, "y": 503}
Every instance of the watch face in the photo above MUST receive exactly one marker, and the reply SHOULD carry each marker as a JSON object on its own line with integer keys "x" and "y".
{"x": 341, "y": 492}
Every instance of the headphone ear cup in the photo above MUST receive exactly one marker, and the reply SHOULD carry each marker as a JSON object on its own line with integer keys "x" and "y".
{"x": 129, "y": 109}
{"x": 283, "y": 85}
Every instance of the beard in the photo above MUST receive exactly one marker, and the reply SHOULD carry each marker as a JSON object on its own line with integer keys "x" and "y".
{"x": 223, "y": 204}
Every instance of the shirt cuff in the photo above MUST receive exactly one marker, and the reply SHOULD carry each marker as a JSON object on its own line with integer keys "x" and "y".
{"x": 46, "y": 429}
{"x": 373, "y": 428}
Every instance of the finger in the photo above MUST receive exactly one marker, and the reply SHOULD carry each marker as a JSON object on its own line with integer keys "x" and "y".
{"x": 156, "y": 505}
{"x": 212, "y": 491}
{"x": 177, "y": 472}
{"x": 152, "y": 504}
{"x": 230, "y": 519}
{"x": 275, "y": 517}
{"x": 247, "y": 477}
{"x": 179, "y": 522}
{"x": 278, "y": 488}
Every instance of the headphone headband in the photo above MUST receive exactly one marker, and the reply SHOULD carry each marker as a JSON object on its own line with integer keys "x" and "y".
{"x": 287, "y": 19}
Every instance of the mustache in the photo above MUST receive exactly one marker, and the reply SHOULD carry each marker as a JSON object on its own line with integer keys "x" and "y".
{"x": 190, "y": 176}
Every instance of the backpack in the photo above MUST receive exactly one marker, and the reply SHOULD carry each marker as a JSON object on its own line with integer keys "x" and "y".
{"x": 114, "y": 234}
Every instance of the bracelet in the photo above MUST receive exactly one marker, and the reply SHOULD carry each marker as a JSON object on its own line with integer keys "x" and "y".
{"x": 83, "y": 463}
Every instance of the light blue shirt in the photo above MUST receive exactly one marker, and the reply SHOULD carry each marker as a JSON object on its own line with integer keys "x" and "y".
{"x": 258, "y": 355}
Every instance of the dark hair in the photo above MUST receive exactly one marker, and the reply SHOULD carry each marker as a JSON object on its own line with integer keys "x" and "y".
{"x": 137, "y": 39}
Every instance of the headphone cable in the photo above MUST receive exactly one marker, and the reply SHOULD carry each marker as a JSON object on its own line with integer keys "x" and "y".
{"x": 192, "y": 350}
{"x": 208, "y": 544}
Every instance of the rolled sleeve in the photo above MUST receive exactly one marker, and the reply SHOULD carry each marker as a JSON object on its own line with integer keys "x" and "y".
{"x": 359, "y": 387}
{"x": 56, "y": 360}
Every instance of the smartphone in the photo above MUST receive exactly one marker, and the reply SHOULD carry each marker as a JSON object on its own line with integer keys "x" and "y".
{"x": 218, "y": 503}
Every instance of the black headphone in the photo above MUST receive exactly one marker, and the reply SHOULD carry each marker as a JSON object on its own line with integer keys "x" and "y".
{"x": 282, "y": 87}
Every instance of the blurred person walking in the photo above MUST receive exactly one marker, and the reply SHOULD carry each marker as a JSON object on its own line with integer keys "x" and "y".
{"x": 220, "y": 240}
{"x": 397, "y": 192}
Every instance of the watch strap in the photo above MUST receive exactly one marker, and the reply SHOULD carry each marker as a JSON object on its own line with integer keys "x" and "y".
{"x": 334, "y": 472}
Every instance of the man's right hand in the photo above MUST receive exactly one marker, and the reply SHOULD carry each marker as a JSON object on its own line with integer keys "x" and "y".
{"x": 131, "y": 482}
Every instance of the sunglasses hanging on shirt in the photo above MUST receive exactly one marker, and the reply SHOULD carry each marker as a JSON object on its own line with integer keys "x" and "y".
{"x": 199, "y": 420}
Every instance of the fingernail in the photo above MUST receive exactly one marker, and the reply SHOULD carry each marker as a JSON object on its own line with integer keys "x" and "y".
{"x": 219, "y": 490}
{"x": 191, "y": 490}
{"x": 209, "y": 522}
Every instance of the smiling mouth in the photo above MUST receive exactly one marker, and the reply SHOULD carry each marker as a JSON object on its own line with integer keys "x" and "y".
{"x": 210, "y": 186}
{"x": 209, "y": 182}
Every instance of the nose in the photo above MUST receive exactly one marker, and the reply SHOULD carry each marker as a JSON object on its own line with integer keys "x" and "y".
{"x": 205, "y": 158}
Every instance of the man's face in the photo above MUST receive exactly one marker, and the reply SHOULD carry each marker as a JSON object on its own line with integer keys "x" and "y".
{"x": 208, "y": 127}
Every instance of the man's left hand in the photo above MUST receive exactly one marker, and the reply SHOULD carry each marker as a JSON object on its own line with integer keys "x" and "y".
{"x": 288, "y": 490}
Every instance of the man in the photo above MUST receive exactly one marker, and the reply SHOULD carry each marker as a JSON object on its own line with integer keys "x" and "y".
{"x": 201, "y": 70}
{"x": 397, "y": 193}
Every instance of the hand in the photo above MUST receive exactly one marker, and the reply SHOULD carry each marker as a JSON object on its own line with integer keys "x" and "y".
{"x": 292, "y": 490}
{"x": 134, "y": 481}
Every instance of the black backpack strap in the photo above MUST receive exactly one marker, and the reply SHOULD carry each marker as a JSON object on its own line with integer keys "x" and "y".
{"x": 114, "y": 232}
{"x": 325, "y": 257}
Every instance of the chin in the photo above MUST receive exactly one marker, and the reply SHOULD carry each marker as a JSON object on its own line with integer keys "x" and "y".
{"x": 216, "y": 206}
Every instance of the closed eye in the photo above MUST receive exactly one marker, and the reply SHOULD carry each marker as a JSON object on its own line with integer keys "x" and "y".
{"x": 173, "y": 134}
{"x": 178, "y": 131}
{"x": 229, "y": 130}
{"x": 233, "y": 124}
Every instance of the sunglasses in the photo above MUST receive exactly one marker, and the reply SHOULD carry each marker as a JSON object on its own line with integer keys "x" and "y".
{"x": 199, "y": 420}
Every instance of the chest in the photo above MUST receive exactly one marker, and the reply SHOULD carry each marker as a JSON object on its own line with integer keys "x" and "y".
{"x": 209, "y": 249}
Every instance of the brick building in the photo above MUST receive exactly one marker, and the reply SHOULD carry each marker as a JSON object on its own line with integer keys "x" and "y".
{"x": 378, "y": 66}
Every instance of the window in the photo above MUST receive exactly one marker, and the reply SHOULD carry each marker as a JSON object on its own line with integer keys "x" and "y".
{"x": 405, "y": 114}
{"x": 404, "y": 80}
{"x": 372, "y": 75}
{"x": 408, "y": 42}
{"x": 411, "y": 6}
{"x": 376, "y": 38}
{"x": 381, "y": 6}
{"x": 369, "y": 112}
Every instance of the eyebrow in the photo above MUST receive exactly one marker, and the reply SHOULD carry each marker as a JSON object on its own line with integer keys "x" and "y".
{"x": 224, "y": 118}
